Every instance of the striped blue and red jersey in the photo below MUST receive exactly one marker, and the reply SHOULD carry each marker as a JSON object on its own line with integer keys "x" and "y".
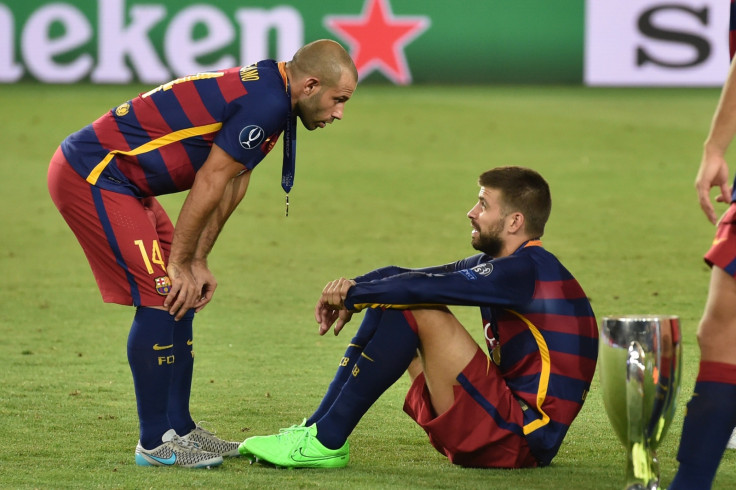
{"x": 155, "y": 143}
{"x": 538, "y": 323}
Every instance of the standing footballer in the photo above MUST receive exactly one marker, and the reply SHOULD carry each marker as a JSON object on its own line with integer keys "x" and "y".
{"x": 711, "y": 412}
{"x": 204, "y": 133}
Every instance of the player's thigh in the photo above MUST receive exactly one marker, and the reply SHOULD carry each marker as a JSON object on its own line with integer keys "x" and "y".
{"x": 446, "y": 349}
{"x": 162, "y": 224}
{"x": 415, "y": 368}
{"x": 120, "y": 238}
{"x": 717, "y": 329}
{"x": 139, "y": 235}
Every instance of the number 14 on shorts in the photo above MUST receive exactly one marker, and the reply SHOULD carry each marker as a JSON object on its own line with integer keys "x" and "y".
{"x": 156, "y": 257}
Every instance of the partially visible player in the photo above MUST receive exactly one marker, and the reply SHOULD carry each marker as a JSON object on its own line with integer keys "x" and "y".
{"x": 711, "y": 412}
{"x": 205, "y": 132}
{"x": 509, "y": 407}
{"x": 732, "y": 51}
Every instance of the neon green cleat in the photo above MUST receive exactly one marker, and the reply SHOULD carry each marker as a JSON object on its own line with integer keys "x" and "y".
{"x": 295, "y": 447}
{"x": 246, "y": 454}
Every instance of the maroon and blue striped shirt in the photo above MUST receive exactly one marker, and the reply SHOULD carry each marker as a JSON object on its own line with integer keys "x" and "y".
{"x": 538, "y": 323}
{"x": 155, "y": 143}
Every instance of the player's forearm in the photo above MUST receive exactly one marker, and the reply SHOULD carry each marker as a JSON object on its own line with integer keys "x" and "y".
{"x": 194, "y": 218}
{"x": 460, "y": 288}
{"x": 234, "y": 192}
{"x": 393, "y": 270}
{"x": 723, "y": 126}
{"x": 207, "y": 239}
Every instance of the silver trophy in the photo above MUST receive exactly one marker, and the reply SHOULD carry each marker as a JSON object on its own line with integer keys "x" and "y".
{"x": 640, "y": 360}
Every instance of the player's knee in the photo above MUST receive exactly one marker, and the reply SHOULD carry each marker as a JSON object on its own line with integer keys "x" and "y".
{"x": 415, "y": 367}
{"x": 431, "y": 314}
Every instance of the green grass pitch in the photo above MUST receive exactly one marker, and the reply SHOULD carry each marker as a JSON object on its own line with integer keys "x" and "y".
{"x": 390, "y": 184}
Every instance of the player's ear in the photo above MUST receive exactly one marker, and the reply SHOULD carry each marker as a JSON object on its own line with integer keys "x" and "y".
{"x": 515, "y": 222}
{"x": 311, "y": 86}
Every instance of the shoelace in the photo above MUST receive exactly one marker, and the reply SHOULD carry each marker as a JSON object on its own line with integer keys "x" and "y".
{"x": 186, "y": 443}
{"x": 294, "y": 432}
{"x": 201, "y": 426}
{"x": 295, "y": 426}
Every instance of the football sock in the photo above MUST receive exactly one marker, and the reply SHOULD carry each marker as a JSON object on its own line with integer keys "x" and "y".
{"x": 709, "y": 420}
{"x": 382, "y": 362}
{"x": 150, "y": 356}
{"x": 362, "y": 337}
{"x": 181, "y": 379}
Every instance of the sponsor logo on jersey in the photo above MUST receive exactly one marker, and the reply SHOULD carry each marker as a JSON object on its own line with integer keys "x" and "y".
{"x": 163, "y": 285}
{"x": 483, "y": 269}
{"x": 122, "y": 109}
{"x": 251, "y": 137}
{"x": 162, "y": 347}
{"x": 249, "y": 73}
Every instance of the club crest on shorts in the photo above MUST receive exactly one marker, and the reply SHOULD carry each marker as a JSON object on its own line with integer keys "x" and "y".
{"x": 163, "y": 285}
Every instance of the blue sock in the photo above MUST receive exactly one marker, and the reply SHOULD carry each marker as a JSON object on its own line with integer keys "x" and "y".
{"x": 151, "y": 357}
{"x": 181, "y": 380}
{"x": 356, "y": 346}
{"x": 382, "y": 362}
{"x": 709, "y": 421}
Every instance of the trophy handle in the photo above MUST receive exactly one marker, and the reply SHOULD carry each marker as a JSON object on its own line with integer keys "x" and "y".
{"x": 641, "y": 467}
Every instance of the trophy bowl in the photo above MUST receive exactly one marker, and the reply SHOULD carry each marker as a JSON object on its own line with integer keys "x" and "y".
{"x": 640, "y": 363}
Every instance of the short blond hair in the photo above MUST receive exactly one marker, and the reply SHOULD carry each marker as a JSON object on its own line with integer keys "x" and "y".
{"x": 324, "y": 59}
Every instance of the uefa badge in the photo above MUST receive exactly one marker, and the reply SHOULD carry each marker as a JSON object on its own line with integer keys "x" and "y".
{"x": 251, "y": 137}
{"x": 163, "y": 285}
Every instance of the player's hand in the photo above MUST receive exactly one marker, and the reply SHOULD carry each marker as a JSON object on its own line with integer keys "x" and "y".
{"x": 184, "y": 292}
{"x": 330, "y": 307}
{"x": 713, "y": 172}
{"x": 343, "y": 317}
{"x": 206, "y": 284}
{"x": 335, "y": 292}
{"x": 326, "y": 316}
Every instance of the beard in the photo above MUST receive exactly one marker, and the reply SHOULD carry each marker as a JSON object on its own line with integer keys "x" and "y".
{"x": 490, "y": 242}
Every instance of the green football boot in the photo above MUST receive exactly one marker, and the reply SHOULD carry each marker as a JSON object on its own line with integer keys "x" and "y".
{"x": 244, "y": 452}
{"x": 295, "y": 447}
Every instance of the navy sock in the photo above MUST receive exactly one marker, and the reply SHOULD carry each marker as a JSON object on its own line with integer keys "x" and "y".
{"x": 150, "y": 356}
{"x": 709, "y": 421}
{"x": 382, "y": 362}
{"x": 181, "y": 379}
{"x": 356, "y": 346}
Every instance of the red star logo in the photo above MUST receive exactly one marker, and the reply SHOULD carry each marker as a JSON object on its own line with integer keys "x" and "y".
{"x": 377, "y": 39}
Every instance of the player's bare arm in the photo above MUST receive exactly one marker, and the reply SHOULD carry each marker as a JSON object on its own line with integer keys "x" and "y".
{"x": 210, "y": 185}
{"x": 206, "y": 282}
{"x": 713, "y": 171}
